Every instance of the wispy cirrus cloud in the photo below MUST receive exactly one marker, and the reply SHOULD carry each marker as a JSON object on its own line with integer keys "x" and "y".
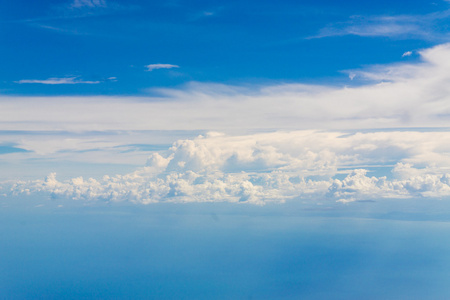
{"x": 54, "y": 80}
{"x": 88, "y": 3}
{"x": 394, "y": 26}
{"x": 87, "y": 8}
{"x": 152, "y": 67}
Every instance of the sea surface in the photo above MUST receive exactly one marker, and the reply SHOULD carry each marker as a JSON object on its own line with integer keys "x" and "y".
{"x": 222, "y": 251}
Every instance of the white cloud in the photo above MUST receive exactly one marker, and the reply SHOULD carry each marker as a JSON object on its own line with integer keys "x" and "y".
{"x": 258, "y": 168}
{"x": 407, "y": 53}
{"x": 64, "y": 80}
{"x": 152, "y": 67}
{"x": 274, "y": 167}
{"x": 398, "y": 95}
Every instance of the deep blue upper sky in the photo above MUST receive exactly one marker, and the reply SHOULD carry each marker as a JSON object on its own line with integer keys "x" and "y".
{"x": 109, "y": 43}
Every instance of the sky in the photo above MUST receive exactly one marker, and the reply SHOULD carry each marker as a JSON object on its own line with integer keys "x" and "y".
{"x": 110, "y": 48}
{"x": 204, "y": 101}
{"x": 176, "y": 117}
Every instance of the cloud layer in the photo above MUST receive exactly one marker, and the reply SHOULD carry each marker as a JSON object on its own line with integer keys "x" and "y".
{"x": 289, "y": 162}
{"x": 312, "y": 166}
{"x": 400, "y": 95}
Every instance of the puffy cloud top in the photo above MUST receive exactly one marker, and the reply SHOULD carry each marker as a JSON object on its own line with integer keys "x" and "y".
{"x": 273, "y": 167}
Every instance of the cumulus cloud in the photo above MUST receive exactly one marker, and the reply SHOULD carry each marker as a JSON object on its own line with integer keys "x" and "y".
{"x": 274, "y": 167}
{"x": 152, "y": 67}
{"x": 64, "y": 80}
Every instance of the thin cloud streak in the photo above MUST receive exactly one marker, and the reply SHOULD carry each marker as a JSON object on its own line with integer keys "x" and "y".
{"x": 64, "y": 80}
{"x": 88, "y": 3}
{"x": 400, "y": 26}
{"x": 78, "y": 9}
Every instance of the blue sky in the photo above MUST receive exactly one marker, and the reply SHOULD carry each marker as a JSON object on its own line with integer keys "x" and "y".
{"x": 103, "y": 47}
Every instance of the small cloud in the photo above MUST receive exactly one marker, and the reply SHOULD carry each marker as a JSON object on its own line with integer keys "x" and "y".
{"x": 113, "y": 79}
{"x": 65, "y": 80}
{"x": 152, "y": 67}
{"x": 407, "y": 53}
{"x": 204, "y": 14}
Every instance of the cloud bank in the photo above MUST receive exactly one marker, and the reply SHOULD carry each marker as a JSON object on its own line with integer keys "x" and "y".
{"x": 399, "y": 95}
{"x": 289, "y": 162}
{"x": 316, "y": 166}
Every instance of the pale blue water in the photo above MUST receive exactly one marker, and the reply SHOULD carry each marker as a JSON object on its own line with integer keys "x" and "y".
{"x": 219, "y": 251}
